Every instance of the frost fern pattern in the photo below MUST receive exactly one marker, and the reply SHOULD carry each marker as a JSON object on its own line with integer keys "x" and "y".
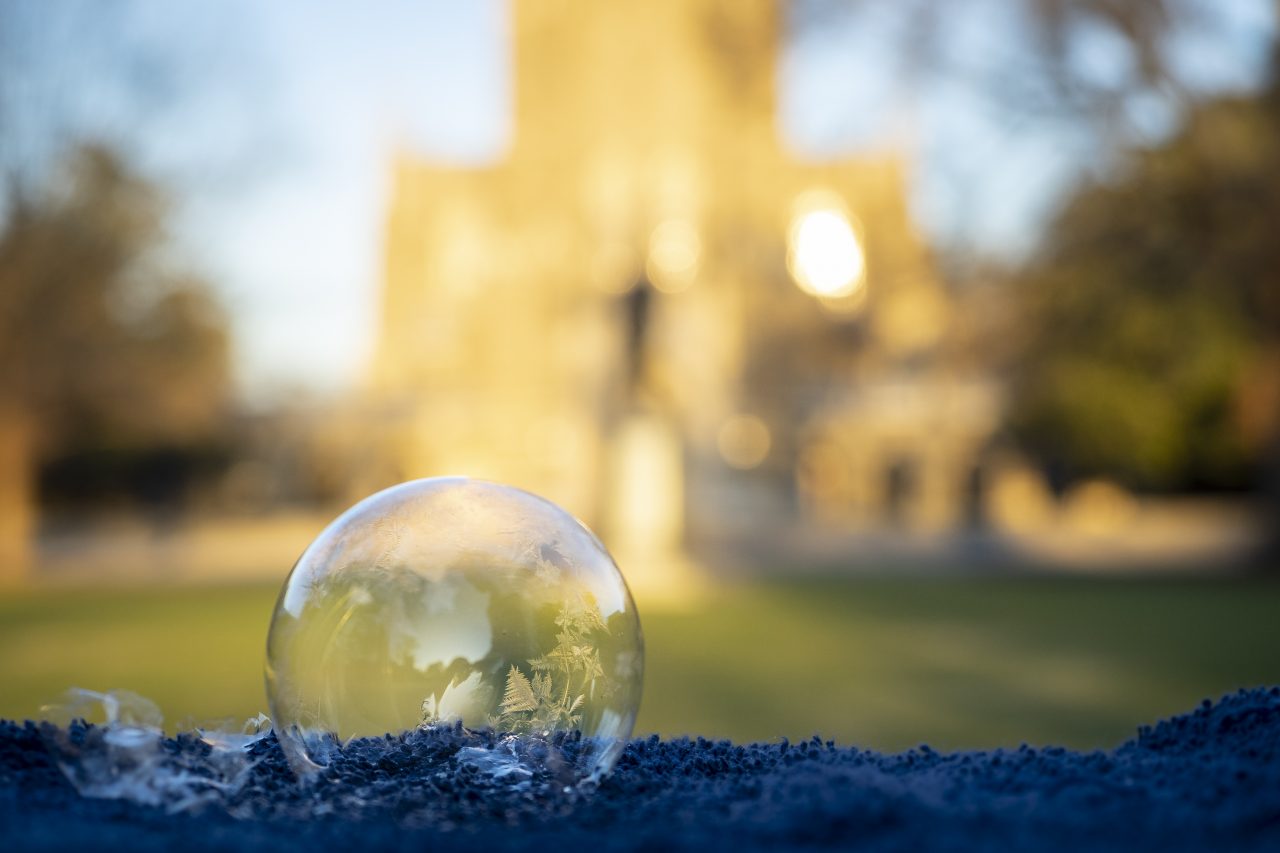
{"x": 562, "y": 679}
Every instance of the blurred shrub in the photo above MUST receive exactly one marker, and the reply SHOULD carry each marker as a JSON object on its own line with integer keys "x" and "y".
{"x": 1153, "y": 310}
{"x": 110, "y": 349}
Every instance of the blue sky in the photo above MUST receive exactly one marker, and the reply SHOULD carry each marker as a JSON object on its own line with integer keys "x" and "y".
{"x": 276, "y": 122}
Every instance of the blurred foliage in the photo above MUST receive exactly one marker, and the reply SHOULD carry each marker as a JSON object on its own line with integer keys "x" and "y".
{"x": 108, "y": 346}
{"x": 1151, "y": 317}
{"x": 1047, "y": 73}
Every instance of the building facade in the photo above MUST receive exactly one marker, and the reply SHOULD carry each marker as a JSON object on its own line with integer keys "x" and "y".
{"x": 607, "y": 315}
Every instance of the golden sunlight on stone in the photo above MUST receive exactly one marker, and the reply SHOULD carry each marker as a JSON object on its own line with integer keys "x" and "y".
{"x": 674, "y": 251}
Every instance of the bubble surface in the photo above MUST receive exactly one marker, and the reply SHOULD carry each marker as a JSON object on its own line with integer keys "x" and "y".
{"x": 453, "y": 601}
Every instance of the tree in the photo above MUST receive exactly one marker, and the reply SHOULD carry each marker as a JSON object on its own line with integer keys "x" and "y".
{"x": 1153, "y": 312}
{"x": 1070, "y": 84}
{"x": 1090, "y": 68}
{"x": 101, "y": 337}
{"x": 1040, "y": 67}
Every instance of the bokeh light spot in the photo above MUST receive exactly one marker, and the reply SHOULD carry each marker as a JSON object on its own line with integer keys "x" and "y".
{"x": 825, "y": 256}
{"x": 744, "y": 441}
{"x": 674, "y": 252}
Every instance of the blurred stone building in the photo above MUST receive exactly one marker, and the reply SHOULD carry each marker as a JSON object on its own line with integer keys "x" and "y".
{"x": 652, "y": 312}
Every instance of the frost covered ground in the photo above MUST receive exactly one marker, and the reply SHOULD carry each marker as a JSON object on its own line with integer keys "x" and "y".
{"x": 1209, "y": 779}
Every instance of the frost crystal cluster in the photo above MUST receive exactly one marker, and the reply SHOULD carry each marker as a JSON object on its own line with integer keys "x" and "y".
{"x": 111, "y": 746}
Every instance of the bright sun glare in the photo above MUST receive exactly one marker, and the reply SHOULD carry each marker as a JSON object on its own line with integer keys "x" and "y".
{"x": 825, "y": 256}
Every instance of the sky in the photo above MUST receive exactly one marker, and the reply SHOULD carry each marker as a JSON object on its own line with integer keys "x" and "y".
{"x": 275, "y": 124}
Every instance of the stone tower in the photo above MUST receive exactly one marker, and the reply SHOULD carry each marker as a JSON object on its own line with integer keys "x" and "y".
{"x": 626, "y": 264}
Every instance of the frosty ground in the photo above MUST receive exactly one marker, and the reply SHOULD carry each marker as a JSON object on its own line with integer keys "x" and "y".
{"x": 1208, "y": 779}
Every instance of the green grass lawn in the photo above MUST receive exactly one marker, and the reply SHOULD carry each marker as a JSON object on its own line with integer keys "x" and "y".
{"x": 883, "y": 663}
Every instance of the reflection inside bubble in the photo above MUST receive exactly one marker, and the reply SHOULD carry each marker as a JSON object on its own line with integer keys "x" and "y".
{"x": 455, "y": 601}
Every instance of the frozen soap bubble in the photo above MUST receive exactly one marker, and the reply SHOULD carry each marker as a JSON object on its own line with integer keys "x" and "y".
{"x": 447, "y": 601}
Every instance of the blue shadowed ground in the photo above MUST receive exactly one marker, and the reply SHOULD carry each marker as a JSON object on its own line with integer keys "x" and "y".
{"x": 1209, "y": 779}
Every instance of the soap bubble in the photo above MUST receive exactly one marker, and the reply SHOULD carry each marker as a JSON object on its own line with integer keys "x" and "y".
{"x": 111, "y": 746}
{"x": 450, "y": 601}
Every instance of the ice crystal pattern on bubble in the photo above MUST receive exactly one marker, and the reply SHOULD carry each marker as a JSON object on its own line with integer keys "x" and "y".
{"x": 562, "y": 679}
